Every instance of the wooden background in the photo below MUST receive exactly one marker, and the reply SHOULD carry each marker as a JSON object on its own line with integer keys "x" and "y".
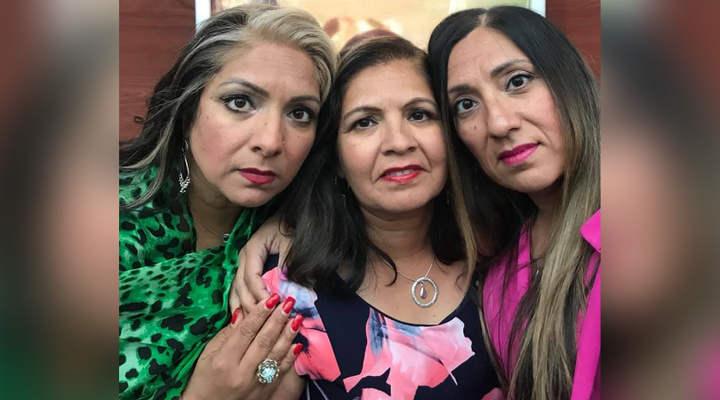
{"x": 152, "y": 32}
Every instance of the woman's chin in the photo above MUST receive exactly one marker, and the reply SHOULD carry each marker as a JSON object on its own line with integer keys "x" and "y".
{"x": 251, "y": 198}
{"x": 404, "y": 207}
{"x": 531, "y": 184}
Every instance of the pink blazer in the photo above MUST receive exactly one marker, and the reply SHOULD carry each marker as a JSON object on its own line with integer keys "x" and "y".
{"x": 500, "y": 311}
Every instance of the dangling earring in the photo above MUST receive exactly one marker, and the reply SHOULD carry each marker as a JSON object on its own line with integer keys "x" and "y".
{"x": 184, "y": 182}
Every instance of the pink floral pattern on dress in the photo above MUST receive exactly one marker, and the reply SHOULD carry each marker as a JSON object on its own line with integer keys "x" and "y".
{"x": 414, "y": 355}
{"x": 317, "y": 360}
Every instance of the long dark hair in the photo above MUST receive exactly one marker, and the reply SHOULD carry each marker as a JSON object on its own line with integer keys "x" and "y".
{"x": 324, "y": 216}
{"x": 546, "y": 320}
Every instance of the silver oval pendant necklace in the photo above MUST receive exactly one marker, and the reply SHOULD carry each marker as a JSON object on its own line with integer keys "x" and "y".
{"x": 420, "y": 283}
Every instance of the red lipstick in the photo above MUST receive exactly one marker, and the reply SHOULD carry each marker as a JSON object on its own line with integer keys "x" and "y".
{"x": 401, "y": 174}
{"x": 258, "y": 177}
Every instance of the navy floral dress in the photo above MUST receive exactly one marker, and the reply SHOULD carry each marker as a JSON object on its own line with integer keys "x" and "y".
{"x": 354, "y": 351}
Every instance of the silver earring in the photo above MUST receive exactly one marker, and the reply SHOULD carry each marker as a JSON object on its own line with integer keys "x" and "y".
{"x": 184, "y": 182}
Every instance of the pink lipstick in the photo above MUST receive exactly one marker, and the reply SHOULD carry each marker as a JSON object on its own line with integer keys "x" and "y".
{"x": 518, "y": 154}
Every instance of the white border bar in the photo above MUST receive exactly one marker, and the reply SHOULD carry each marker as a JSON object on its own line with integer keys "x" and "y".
{"x": 203, "y": 10}
{"x": 536, "y": 5}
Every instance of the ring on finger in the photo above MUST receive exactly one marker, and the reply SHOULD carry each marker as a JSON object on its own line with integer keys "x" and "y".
{"x": 268, "y": 371}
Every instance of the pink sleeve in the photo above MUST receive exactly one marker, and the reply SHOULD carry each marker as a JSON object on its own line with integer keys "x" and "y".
{"x": 585, "y": 382}
{"x": 588, "y": 358}
{"x": 592, "y": 231}
{"x": 317, "y": 359}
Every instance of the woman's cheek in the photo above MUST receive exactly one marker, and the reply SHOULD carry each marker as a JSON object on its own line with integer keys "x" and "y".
{"x": 438, "y": 157}
{"x": 469, "y": 135}
{"x": 215, "y": 138}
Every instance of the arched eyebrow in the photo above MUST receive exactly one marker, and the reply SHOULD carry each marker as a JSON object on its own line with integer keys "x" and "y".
{"x": 367, "y": 109}
{"x": 249, "y": 85}
{"x": 463, "y": 87}
{"x": 459, "y": 88}
{"x": 298, "y": 99}
{"x": 507, "y": 64}
{"x": 265, "y": 94}
{"x": 378, "y": 110}
{"x": 419, "y": 100}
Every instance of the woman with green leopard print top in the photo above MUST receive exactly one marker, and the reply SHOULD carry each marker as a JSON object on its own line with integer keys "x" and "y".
{"x": 223, "y": 137}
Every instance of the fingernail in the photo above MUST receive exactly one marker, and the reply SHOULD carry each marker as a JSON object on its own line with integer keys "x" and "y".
{"x": 235, "y": 315}
{"x": 288, "y": 306}
{"x": 297, "y": 321}
{"x": 272, "y": 301}
{"x": 297, "y": 349}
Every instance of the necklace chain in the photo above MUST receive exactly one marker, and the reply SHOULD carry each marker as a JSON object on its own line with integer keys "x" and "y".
{"x": 432, "y": 264}
{"x": 224, "y": 237}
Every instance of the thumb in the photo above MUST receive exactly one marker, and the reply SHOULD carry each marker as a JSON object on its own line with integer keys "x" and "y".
{"x": 238, "y": 282}
{"x": 234, "y": 300}
{"x": 256, "y": 287}
{"x": 255, "y": 258}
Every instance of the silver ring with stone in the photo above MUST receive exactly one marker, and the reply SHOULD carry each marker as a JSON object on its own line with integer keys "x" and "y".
{"x": 268, "y": 371}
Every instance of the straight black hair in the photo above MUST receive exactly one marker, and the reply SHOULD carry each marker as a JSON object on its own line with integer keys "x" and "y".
{"x": 324, "y": 216}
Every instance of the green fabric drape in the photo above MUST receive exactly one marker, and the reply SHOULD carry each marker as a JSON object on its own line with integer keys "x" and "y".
{"x": 173, "y": 299}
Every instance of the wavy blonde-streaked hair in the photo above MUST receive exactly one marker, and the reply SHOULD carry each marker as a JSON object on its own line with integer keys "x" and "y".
{"x": 173, "y": 104}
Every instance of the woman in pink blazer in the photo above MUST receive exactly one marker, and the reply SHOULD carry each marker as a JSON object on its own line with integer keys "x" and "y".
{"x": 524, "y": 109}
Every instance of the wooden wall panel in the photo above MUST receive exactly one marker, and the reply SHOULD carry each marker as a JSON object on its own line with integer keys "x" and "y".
{"x": 580, "y": 21}
{"x": 152, "y": 33}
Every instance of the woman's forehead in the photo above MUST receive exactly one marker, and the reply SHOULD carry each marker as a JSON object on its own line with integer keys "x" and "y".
{"x": 481, "y": 50}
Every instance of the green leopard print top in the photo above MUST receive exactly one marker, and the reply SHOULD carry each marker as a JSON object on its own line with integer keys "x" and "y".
{"x": 173, "y": 299}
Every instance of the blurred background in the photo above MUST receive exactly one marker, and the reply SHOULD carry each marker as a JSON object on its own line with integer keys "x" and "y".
{"x": 74, "y": 73}
{"x": 343, "y": 19}
{"x": 660, "y": 195}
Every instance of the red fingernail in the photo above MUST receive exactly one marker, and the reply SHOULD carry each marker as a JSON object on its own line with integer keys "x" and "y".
{"x": 297, "y": 321}
{"x": 288, "y": 306}
{"x": 235, "y": 315}
{"x": 297, "y": 349}
{"x": 272, "y": 301}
